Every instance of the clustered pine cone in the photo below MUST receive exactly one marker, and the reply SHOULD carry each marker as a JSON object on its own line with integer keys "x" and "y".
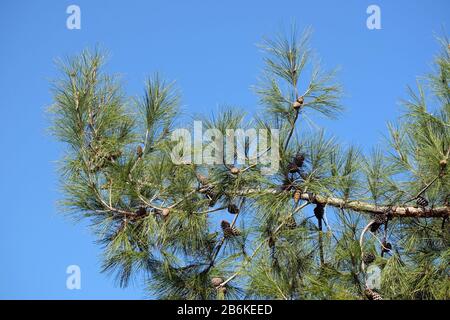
{"x": 297, "y": 163}
{"x": 378, "y": 220}
{"x": 422, "y": 202}
{"x": 228, "y": 230}
{"x": 368, "y": 258}
{"x": 372, "y": 295}
{"x": 232, "y": 208}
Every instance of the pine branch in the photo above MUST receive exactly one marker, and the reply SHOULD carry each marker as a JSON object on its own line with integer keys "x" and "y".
{"x": 363, "y": 207}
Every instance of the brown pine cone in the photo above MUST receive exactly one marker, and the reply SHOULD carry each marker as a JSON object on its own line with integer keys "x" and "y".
{"x": 368, "y": 258}
{"x": 232, "y": 208}
{"x": 372, "y": 295}
{"x": 319, "y": 211}
{"x": 290, "y": 223}
{"x": 139, "y": 151}
{"x": 422, "y": 202}
{"x": 228, "y": 230}
{"x": 297, "y": 195}
{"x": 379, "y": 219}
{"x": 234, "y": 170}
{"x": 299, "y": 159}
{"x": 216, "y": 281}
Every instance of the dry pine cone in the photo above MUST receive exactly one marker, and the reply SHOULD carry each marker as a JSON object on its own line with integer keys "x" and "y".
{"x": 228, "y": 230}
{"x": 372, "y": 295}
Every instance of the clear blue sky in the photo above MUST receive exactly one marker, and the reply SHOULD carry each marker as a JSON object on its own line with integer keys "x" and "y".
{"x": 209, "y": 48}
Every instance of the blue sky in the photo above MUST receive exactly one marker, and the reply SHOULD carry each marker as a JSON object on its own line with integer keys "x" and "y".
{"x": 209, "y": 48}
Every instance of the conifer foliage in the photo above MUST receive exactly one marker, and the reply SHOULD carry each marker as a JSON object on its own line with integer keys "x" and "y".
{"x": 309, "y": 231}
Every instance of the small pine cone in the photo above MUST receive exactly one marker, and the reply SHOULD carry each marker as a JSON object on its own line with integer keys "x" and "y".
{"x": 216, "y": 281}
{"x": 422, "y": 202}
{"x": 228, "y": 230}
{"x": 299, "y": 159}
{"x": 379, "y": 219}
{"x": 234, "y": 170}
{"x": 141, "y": 211}
{"x": 372, "y": 295}
{"x": 319, "y": 211}
{"x": 290, "y": 223}
{"x": 301, "y": 100}
{"x": 296, "y": 105}
{"x": 139, "y": 151}
{"x": 232, "y": 208}
{"x": 165, "y": 212}
{"x": 293, "y": 168}
{"x": 368, "y": 258}
{"x": 297, "y": 195}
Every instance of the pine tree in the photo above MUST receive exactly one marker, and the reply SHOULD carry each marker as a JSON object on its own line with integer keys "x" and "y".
{"x": 307, "y": 232}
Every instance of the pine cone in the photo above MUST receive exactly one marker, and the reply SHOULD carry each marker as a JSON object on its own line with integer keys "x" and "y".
{"x": 368, "y": 258}
{"x": 290, "y": 223}
{"x": 232, "y": 208}
{"x": 379, "y": 219}
{"x": 216, "y": 281}
{"x": 296, "y": 105}
{"x": 422, "y": 202}
{"x": 319, "y": 211}
{"x": 293, "y": 168}
{"x": 141, "y": 211}
{"x": 228, "y": 230}
{"x": 165, "y": 212}
{"x": 139, "y": 151}
{"x": 299, "y": 159}
{"x": 297, "y": 195}
{"x": 234, "y": 170}
{"x": 372, "y": 295}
